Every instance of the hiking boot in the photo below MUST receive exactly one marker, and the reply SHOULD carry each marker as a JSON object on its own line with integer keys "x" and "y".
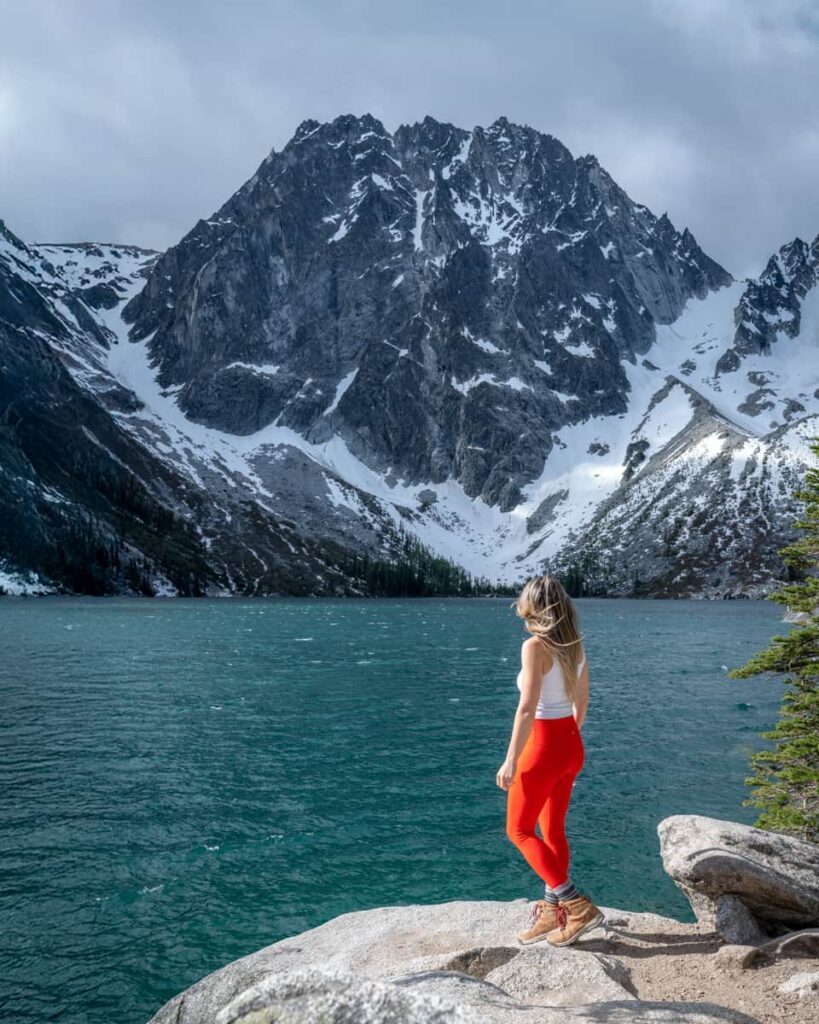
{"x": 542, "y": 920}
{"x": 575, "y": 918}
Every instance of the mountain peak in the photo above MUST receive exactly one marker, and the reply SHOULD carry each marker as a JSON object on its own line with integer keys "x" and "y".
{"x": 797, "y": 247}
{"x": 347, "y": 127}
{"x": 429, "y": 129}
{"x": 502, "y": 125}
{"x": 366, "y": 244}
{"x": 365, "y": 122}
{"x": 307, "y": 127}
{"x": 7, "y": 233}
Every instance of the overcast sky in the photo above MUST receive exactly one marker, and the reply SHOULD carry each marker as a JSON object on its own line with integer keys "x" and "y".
{"x": 127, "y": 121}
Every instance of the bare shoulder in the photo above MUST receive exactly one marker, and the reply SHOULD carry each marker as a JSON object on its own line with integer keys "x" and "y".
{"x": 533, "y": 654}
{"x": 530, "y": 647}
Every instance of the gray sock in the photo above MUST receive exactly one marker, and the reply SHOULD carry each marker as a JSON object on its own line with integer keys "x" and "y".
{"x": 550, "y": 896}
{"x": 567, "y": 891}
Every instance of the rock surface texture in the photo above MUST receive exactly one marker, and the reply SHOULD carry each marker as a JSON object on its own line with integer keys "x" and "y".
{"x": 472, "y": 335}
{"x": 444, "y": 962}
{"x": 460, "y": 962}
{"x": 736, "y": 876}
{"x": 804, "y": 984}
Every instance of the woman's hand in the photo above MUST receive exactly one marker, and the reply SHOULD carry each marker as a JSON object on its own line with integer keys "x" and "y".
{"x": 506, "y": 774}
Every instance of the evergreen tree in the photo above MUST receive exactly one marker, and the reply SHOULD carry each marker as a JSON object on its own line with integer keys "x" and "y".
{"x": 786, "y": 777}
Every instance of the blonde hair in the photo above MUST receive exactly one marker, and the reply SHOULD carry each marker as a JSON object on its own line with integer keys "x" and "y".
{"x": 550, "y": 614}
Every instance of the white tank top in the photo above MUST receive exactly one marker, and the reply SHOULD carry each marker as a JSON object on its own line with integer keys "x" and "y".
{"x": 554, "y": 701}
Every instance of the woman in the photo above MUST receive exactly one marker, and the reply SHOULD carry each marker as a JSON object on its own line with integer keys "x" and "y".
{"x": 545, "y": 755}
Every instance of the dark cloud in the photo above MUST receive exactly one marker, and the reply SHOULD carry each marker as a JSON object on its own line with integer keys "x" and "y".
{"x": 129, "y": 121}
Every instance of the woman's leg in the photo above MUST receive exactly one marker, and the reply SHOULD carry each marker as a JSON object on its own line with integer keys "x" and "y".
{"x": 552, "y": 820}
{"x": 533, "y": 785}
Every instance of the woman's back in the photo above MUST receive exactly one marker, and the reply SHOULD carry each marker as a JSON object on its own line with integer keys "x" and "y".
{"x": 554, "y": 701}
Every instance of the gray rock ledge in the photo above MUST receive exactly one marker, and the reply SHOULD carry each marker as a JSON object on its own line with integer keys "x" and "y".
{"x": 445, "y": 963}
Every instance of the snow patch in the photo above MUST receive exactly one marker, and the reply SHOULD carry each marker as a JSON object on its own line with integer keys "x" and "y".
{"x": 341, "y": 387}
{"x": 19, "y": 583}
{"x": 515, "y": 383}
{"x": 264, "y": 369}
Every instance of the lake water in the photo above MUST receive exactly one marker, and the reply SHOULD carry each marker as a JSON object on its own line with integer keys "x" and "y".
{"x": 185, "y": 781}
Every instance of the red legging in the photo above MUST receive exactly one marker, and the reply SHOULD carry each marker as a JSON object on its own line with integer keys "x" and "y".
{"x": 548, "y": 764}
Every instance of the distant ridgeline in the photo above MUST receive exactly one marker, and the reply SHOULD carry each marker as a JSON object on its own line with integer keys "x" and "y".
{"x": 435, "y": 361}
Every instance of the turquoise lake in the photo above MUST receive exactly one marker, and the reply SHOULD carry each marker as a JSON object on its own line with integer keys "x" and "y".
{"x": 185, "y": 781}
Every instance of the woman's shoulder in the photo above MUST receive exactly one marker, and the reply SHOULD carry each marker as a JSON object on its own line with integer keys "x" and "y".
{"x": 531, "y": 643}
{"x": 534, "y": 650}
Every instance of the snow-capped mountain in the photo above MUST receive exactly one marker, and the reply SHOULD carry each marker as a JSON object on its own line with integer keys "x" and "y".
{"x": 473, "y": 336}
{"x": 442, "y": 301}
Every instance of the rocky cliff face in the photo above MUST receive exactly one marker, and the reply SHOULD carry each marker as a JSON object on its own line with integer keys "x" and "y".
{"x": 442, "y": 300}
{"x": 471, "y": 335}
{"x": 771, "y": 306}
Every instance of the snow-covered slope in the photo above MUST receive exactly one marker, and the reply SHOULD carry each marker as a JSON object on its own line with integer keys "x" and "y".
{"x": 706, "y": 482}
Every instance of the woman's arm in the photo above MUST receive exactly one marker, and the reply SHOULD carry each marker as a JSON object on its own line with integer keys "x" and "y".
{"x": 530, "y": 684}
{"x": 581, "y": 700}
